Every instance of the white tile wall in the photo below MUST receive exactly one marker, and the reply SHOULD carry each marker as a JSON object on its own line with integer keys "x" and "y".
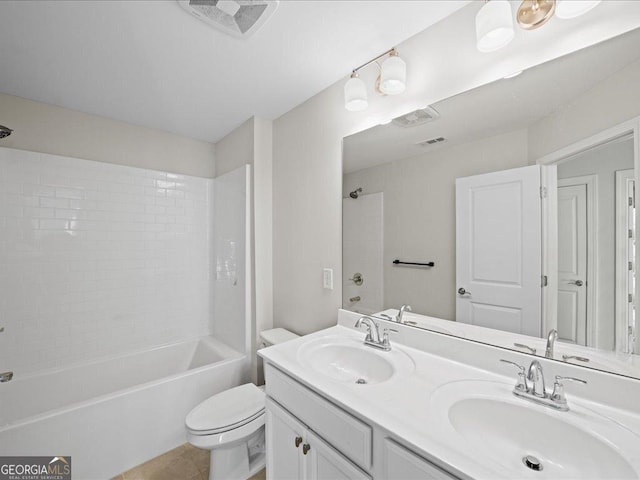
{"x": 97, "y": 259}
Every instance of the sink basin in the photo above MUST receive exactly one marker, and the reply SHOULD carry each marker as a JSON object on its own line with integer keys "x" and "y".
{"x": 486, "y": 419}
{"x": 349, "y": 361}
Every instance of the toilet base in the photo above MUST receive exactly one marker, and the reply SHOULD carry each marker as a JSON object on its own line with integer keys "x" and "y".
{"x": 234, "y": 463}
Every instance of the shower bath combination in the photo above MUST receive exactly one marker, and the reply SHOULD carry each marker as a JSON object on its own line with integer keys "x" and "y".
{"x": 355, "y": 193}
{"x": 5, "y": 131}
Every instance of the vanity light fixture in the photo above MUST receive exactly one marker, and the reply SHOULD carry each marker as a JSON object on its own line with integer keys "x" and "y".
{"x": 391, "y": 81}
{"x": 494, "y": 21}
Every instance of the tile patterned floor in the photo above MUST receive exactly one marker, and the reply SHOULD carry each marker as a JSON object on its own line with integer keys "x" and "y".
{"x": 183, "y": 463}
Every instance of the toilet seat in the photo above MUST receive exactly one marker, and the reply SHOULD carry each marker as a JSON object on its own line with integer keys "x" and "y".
{"x": 227, "y": 411}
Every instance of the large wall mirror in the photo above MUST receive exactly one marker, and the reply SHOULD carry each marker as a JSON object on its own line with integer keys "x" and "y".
{"x": 507, "y": 212}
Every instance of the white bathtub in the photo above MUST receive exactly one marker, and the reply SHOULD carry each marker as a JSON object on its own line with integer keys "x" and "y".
{"x": 113, "y": 414}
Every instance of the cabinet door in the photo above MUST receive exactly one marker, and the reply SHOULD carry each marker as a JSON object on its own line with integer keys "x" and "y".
{"x": 284, "y": 435}
{"x": 325, "y": 463}
{"x": 401, "y": 463}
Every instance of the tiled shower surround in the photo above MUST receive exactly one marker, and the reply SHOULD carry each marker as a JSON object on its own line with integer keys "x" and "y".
{"x": 98, "y": 259}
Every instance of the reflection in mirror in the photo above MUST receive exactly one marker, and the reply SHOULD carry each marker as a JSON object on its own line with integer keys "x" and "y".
{"x": 507, "y": 211}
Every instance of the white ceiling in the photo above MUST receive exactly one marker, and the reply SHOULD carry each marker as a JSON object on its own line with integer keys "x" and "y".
{"x": 150, "y": 63}
{"x": 499, "y": 107}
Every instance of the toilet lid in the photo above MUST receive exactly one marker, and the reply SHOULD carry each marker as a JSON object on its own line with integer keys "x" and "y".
{"x": 227, "y": 408}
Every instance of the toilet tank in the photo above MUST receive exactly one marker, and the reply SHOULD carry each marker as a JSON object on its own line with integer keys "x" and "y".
{"x": 275, "y": 336}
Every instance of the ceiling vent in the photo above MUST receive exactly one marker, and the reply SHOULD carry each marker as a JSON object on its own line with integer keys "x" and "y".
{"x": 239, "y": 18}
{"x": 431, "y": 141}
{"x": 418, "y": 117}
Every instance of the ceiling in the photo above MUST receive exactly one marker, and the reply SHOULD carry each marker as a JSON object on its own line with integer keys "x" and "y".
{"x": 151, "y": 64}
{"x": 503, "y": 106}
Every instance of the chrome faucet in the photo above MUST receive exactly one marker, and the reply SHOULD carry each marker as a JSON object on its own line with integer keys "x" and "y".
{"x": 373, "y": 334}
{"x": 531, "y": 386}
{"x": 403, "y": 308}
{"x": 551, "y": 342}
{"x": 535, "y": 380}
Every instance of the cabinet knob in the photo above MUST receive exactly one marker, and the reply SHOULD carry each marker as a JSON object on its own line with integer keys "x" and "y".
{"x": 298, "y": 441}
{"x": 305, "y": 448}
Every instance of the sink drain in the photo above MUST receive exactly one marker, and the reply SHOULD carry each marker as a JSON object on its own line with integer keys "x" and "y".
{"x": 361, "y": 381}
{"x": 532, "y": 462}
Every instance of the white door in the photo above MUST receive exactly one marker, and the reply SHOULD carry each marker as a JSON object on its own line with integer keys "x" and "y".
{"x": 572, "y": 263}
{"x": 498, "y": 250}
{"x": 285, "y": 439}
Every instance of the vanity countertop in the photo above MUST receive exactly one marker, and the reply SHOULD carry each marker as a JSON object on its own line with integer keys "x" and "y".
{"x": 404, "y": 405}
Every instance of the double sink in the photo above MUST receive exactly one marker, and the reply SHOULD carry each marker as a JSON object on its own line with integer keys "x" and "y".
{"x": 485, "y": 420}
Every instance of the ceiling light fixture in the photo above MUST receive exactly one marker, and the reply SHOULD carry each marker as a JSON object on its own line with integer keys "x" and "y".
{"x": 494, "y": 20}
{"x": 392, "y": 80}
{"x": 570, "y": 9}
{"x": 494, "y": 25}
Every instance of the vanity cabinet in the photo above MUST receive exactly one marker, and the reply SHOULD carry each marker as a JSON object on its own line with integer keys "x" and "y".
{"x": 400, "y": 462}
{"x": 309, "y": 437}
{"x": 296, "y": 453}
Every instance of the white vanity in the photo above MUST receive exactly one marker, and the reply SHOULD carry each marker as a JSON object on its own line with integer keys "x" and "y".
{"x": 437, "y": 407}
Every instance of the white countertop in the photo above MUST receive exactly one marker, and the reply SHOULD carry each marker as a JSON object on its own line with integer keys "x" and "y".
{"x": 402, "y": 405}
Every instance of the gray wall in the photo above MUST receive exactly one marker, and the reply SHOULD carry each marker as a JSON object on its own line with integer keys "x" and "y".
{"x": 40, "y": 127}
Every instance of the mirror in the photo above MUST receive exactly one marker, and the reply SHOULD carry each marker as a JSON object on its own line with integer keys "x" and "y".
{"x": 507, "y": 211}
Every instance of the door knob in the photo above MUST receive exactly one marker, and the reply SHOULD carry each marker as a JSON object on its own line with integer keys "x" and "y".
{"x": 462, "y": 291}
{"x": 305, "y": 448}
{"x": 298, "y": 441}
{"x": 577, "y": 283}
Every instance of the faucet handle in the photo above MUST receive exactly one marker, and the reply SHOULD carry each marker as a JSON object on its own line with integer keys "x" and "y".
{"x": 521, "y": 385}
{"x": 558, "y": 396}
{"x": 385, "y": 336}
{"x": 525, "y": 347}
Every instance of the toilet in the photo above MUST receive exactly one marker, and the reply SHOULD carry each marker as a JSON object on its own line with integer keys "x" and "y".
{"x": 231, "y": 424}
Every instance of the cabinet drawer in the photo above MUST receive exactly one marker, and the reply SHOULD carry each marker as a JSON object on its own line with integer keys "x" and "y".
{"x": 347, "y": 434}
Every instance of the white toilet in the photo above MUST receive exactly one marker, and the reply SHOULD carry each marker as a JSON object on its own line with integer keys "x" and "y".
{"x": 231, "y": 425}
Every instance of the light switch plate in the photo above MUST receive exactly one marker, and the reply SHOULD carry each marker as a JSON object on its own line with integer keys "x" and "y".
{"x": 327, "y": 278}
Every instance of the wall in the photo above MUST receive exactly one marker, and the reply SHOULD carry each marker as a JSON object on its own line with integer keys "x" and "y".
{"x": 251, "y": 143}
{"x": 363, "y": 252}
{"x": 420, "y": 215}
{"x": 235, "y": 149}
{"x": 98, "y": 259}
{"x": 609, "y": 103}
{"x": 307, "y": 172}
{"x": 603, "y": 161}
{"x": 45, "y": 128}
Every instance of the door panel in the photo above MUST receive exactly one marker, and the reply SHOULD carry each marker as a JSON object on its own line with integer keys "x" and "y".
{"x": 572, "y": 263}
{"x": 498, "y": 250}
{"x": 284, "y": 458}
{"x": 325, "y": 463}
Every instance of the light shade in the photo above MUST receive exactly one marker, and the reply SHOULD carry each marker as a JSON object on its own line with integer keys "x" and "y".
{"x": 494, "y": 25}
{"x": 393, "y": 75}
{"x": 355, "y": 94}
{"x": 574, "y": 8}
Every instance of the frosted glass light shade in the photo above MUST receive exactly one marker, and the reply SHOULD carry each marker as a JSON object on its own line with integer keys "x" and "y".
{"x": 355, "y": 95}
{"x": 574, "y": 8}
{"x": 393, "y": 77}
{"x": 494, "y": 26}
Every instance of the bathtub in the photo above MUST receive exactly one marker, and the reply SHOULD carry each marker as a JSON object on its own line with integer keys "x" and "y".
{"x": 115, "y": 413}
